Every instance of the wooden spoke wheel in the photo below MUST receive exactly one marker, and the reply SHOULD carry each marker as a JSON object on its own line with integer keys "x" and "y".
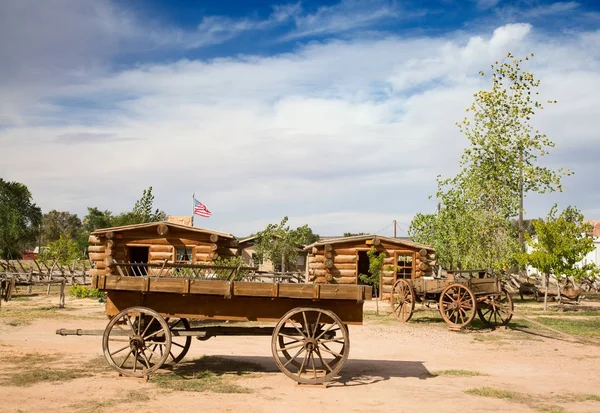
{"x": 457, "y": 305}
{"x": 180, "y": 345}
{"x": 496, "y": 310}
{"x": 317, "y": 350}
{"x": 403, "y": 300}
{"x": 137, "y": 342}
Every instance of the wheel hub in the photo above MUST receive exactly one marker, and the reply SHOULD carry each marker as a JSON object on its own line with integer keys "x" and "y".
{"x": 136, "y": 342}
{"x": 310, "y": 344}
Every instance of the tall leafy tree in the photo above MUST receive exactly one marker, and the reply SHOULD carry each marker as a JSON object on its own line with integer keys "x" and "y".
{"x": 560, "y": 244}
{"x": 279, "y": 243}
{"x": 502, "y": 161}
{"x": 500, "y": 166}
{"x": 55, "y": 223}
{"x": 20, "y": 218}
{"x": 63, "y": 251}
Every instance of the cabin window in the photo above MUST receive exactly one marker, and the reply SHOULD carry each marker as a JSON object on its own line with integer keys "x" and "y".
{"x": 404, "y": 266}
{"x": 184, "y": 254}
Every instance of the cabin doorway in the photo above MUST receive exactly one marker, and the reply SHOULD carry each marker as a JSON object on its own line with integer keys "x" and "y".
{"x": 139, "y": 255}
{"x": 363, "y": 268}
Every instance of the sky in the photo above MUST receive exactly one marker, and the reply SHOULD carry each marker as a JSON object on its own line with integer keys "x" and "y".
{"x": 337, "y": 114}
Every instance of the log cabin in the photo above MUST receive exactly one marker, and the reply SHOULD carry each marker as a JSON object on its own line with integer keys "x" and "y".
{"x": 341, "y": 260}
{"x": 156, "y": 242}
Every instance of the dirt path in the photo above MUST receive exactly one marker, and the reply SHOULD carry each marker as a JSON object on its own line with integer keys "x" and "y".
{"x": 392, "y": 368}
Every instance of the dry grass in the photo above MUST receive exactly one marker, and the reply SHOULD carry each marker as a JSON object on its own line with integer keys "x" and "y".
{"x": 92, "y": 406}
{"x": 541, "y": 403}
{"x": 457, "y": 373}
{"x": 209, "y": 373}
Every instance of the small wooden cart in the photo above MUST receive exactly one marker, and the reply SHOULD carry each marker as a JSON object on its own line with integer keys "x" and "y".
{"x": 149, "y": 321}
{"x": 459, "y": 297}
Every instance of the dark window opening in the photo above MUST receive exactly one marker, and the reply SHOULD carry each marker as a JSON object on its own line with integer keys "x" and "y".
{"x": 139, "y": 255}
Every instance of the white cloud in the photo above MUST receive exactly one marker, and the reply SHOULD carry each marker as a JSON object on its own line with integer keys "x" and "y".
{"x": 343, "y": 135}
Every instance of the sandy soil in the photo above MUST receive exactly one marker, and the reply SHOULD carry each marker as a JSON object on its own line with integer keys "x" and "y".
{"x": 391, "y": 369}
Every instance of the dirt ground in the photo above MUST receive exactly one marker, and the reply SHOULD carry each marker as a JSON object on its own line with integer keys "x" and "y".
{"x": 419, "y": 366}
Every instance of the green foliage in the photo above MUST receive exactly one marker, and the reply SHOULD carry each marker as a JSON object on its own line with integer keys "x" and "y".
{"x": 83, "y": 291}
{"x": 55, "y": 223}
{"x": 560, "y": 244}
{"x": 376, "y": 260}
{"x": 279, "y": 243}
{"x": 473, "y": 226}
{"x": 141, "y": 213}
{"x": 353, "y": 234}
{"x": 63, "y": 251}
{"x": 236, "y": 261}
{"x": 20, "y": 219}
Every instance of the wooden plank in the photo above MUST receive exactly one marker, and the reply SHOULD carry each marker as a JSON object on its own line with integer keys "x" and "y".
{"x": 116, "y": 282}
{"x": 296, "y": 291}
{"x": 168, "y": 285}
{"x": 209, "y": 287}
{"x": 317, "y": 258}
{"x": 214, "y": 307}
{"x": 253, "y": 289}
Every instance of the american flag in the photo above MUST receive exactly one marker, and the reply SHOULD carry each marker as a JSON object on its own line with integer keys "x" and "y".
{"x": 200, "y": 209}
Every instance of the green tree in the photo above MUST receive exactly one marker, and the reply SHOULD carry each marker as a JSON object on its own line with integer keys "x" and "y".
{"x": 143, "y": 211}
{"x": 500, "y": 166}
{"x": 280, "y": 244}
{"x": 373, "y": 278}
{"x": 353, "y": 234}
{"x": 55, "y": 223}
{"x": 20, "y": 218}
{"x": 502, "y": 162}
{"x": 559, "y": 246}
{"x": 62, "y": 251}
{"x": 96, "y": 219}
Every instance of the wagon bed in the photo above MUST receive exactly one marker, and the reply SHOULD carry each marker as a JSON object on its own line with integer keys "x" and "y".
{"x": 149, "y": 325}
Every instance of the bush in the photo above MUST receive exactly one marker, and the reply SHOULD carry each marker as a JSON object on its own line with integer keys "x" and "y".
{"x": 83, "y": 291}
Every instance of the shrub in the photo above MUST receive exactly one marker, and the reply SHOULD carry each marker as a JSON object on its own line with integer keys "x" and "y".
{"x": 83, "y": 291}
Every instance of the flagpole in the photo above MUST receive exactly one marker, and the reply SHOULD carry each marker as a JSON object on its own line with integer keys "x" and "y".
{"x": 193, "y": 206}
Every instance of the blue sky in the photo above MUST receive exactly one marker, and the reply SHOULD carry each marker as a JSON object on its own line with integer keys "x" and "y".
{"x": 338, "y": 114}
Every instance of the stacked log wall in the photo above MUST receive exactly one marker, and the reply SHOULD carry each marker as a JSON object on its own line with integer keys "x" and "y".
{"x": 206, "y": 248}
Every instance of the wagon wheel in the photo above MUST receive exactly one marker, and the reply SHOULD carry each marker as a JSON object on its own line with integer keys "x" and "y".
{"x": 296, "y": 363}
{"x": 457, "y": 305}
{"x": 496, "y": 310}
{"x": 319, "y": 350}
{"x": 180, "y": 345}
{"x": 403, "y": 300}
{"x": 132, "y": 340}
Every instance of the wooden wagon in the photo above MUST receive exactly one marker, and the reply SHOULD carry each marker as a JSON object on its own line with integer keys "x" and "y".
{"x": 459, "y": 297}
{"x": 150, "y": 316}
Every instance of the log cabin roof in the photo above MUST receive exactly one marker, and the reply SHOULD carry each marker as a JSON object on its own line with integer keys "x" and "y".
{"x": 169, "y": 224}
{"x": 400, "y": 241}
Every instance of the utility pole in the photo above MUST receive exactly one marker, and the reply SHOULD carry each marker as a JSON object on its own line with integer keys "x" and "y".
{"x": 394, "y": 228}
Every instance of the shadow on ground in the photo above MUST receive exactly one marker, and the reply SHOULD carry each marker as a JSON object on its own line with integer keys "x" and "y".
{"x": 356, "y": 372}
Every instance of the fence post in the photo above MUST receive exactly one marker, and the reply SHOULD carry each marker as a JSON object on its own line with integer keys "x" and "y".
{"x": 61, "y": 303}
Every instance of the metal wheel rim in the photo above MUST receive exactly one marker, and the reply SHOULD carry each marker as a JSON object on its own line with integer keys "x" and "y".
{"x": 457, "y": 305}
{"x": 315, "y": 359}
{"x": 499, "y": 309}
{"x": 402, "y": 300}
{"x": 129, "y": 336}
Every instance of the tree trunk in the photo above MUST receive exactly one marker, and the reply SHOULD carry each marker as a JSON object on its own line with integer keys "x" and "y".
{"x": 547, "y": 279}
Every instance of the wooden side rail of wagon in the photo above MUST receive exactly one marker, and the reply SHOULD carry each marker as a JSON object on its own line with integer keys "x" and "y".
{"x": 149, "y": 321}
{"x": 458, "y": 300}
